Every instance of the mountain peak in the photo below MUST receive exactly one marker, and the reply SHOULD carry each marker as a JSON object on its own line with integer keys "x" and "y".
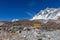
{"x": 48, "y": 13}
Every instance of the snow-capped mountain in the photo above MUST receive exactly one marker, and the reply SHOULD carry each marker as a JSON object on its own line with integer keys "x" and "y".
{"x": 15, "y": 20}
{"x": 48, "y": 13}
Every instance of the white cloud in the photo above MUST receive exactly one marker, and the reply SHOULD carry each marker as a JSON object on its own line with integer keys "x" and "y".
{"x": 29, "y": 13}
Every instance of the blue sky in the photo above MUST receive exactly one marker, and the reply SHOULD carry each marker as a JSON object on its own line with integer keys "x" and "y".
{"x": 24, "y": 9}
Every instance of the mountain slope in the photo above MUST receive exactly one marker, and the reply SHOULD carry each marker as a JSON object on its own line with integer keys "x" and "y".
{"x": 48, "y": 13}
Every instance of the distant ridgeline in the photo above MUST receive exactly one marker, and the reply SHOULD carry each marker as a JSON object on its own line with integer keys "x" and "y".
{"x": 42, "y": 24}
{"x": 24, "y": 23}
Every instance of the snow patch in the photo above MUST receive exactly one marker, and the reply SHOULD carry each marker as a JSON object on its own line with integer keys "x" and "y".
{"x": 15, "y": 20}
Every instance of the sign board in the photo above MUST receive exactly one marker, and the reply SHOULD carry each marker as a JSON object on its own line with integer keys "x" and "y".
{"x": 37, "y": 25}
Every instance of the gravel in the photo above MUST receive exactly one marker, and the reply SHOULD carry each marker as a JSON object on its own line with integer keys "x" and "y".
{"x": 33, "y": 34}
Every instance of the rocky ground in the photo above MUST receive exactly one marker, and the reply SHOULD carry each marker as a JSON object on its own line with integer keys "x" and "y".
{"x": 30, "y": 34}
{"x": 25, "y": 30}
